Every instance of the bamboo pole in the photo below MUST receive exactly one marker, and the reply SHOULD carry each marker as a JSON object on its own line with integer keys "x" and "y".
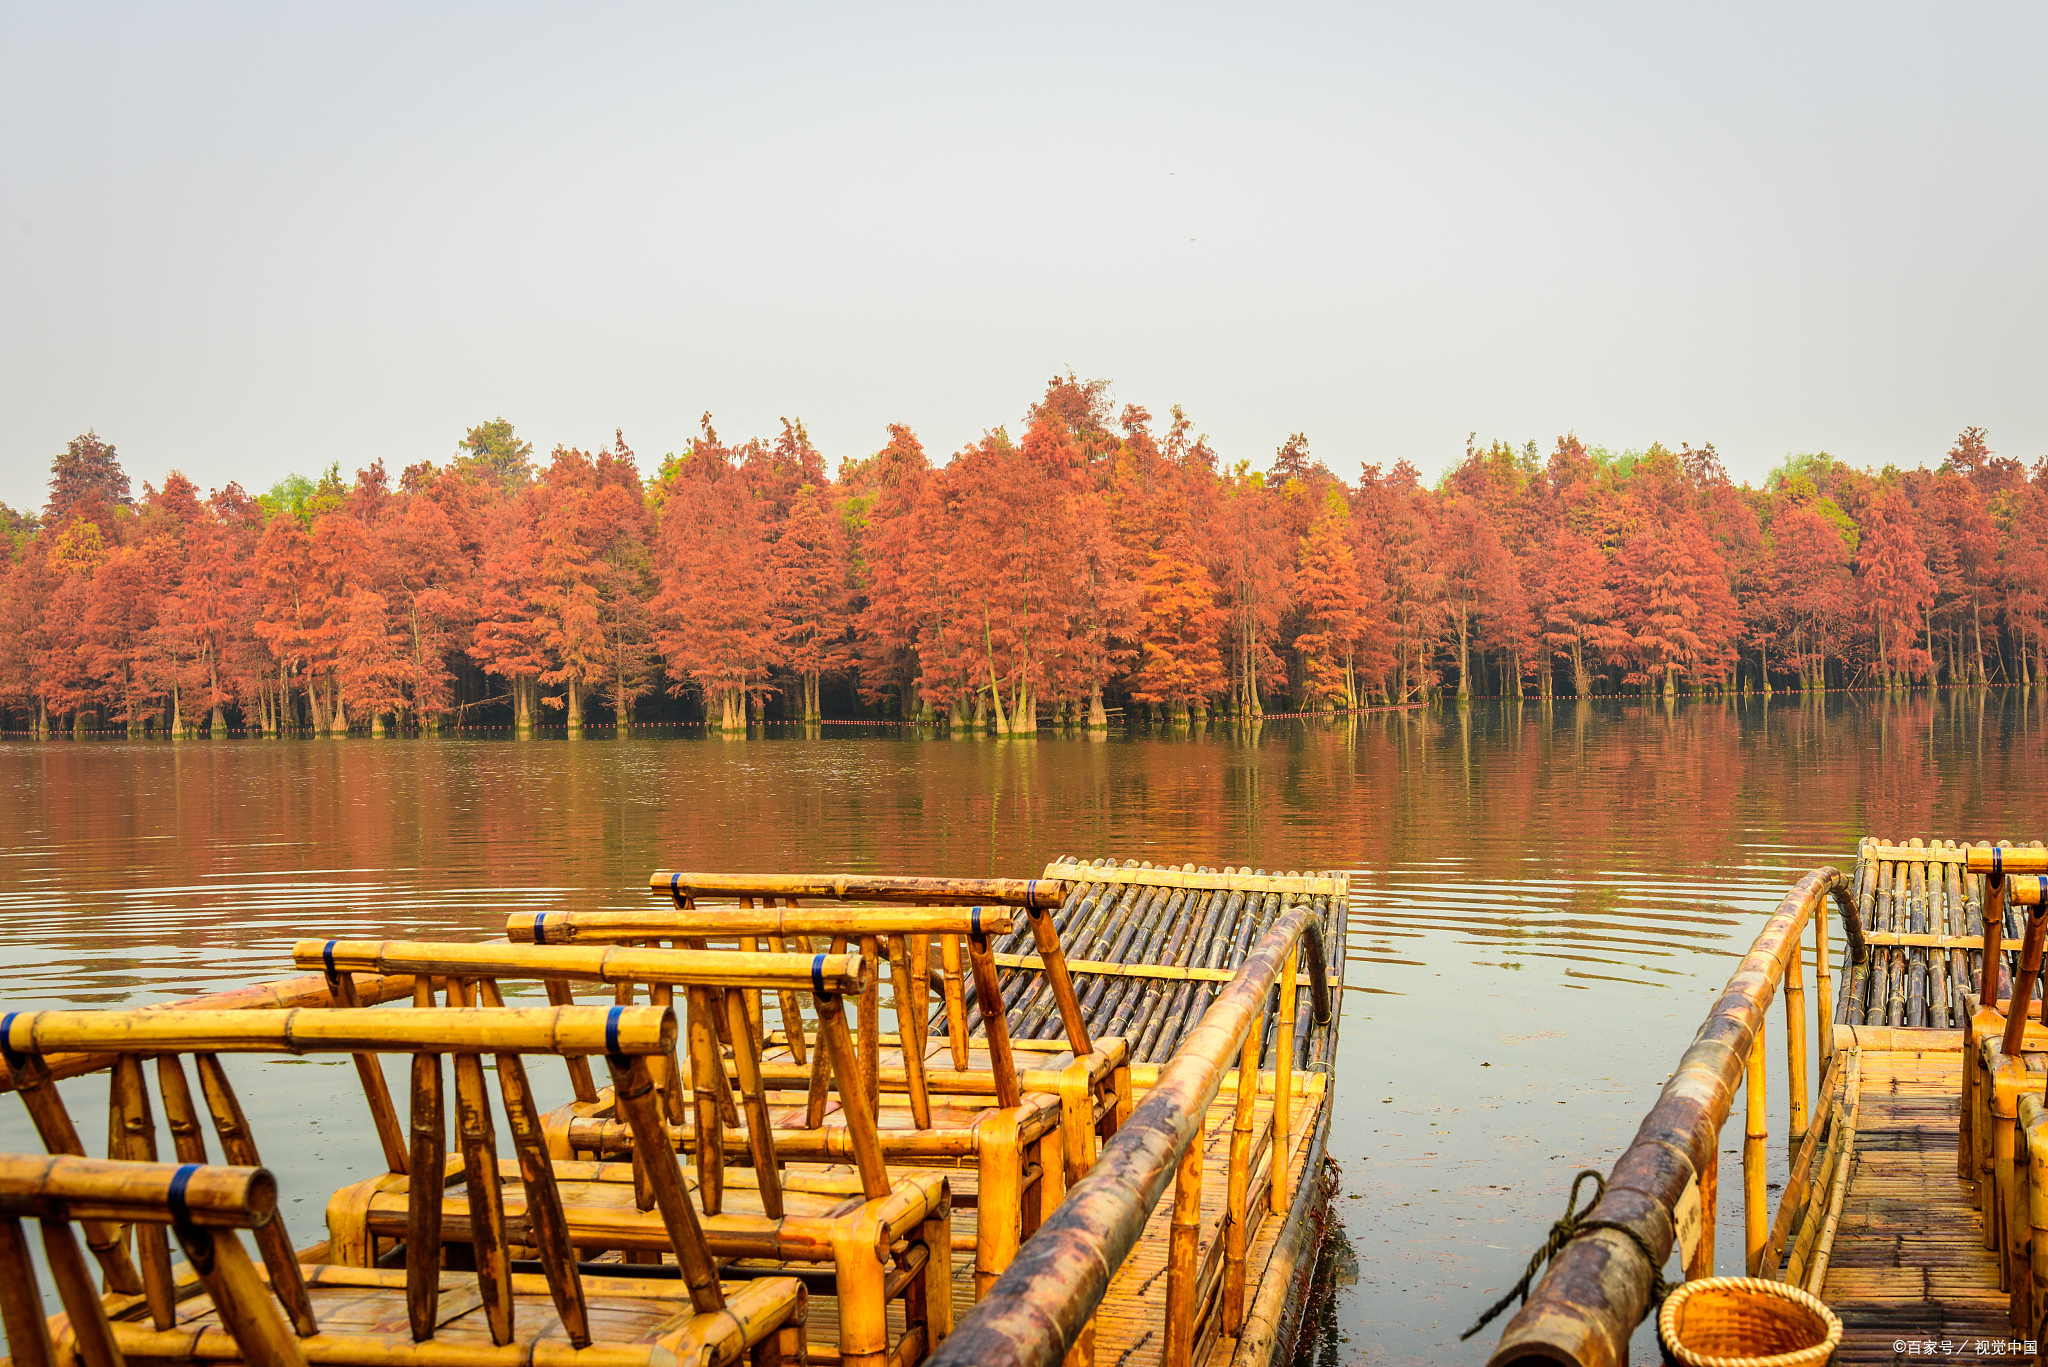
{"x": 21, "y": 1301}
{"x": 545, "y": 1218}
{"x": 238, "y": 1146}
{"x": 760, "y": 1131}
{"x": 633, "y": 1090}
{"x": 92, "y": 1336}
{"x": 695, "y": 967}
{"x": 1018, "y": 892}
{"x": 370, "y": 1075}
{"x": 1063, "y": 988}
{"x": 1795, "y": 1045}
{"x": 282, "y": 994}
{"x": 911, "y": 1041}
{"x": 132, "y": 1136}
{"x": 241, "y": 1299}
{"x": 523, "y": 1030}
{"x": 1756, "y": 1213}
{"x": 956, "y": 1000}
{"x": 1237, "y": 1200}
{"x": 1182, "y": 1251}
{"x": 707, "y": 1069}
{"x": 486, "y": 1197}
{"x": 427, "y": 1164}
{"x": 1004, "y": 1063}
{"x": 1283, "y": 1092}
{"x": 871, "y": 1029}
{"x": 581, "y": 929}
{"x": 835, "y": 1044}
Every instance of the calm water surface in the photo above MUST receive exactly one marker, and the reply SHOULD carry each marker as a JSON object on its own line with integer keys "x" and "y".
{"x": 1544, "y": 901}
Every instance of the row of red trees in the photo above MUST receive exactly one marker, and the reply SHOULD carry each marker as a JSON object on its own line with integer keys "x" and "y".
{"x": 1092, "y": 563}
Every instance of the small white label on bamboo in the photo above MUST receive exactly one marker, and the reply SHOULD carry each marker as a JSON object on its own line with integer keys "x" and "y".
{"x": 1686, "y": 1216}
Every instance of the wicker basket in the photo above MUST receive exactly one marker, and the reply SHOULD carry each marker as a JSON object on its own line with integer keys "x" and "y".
{"x": 1747, "y": 1322}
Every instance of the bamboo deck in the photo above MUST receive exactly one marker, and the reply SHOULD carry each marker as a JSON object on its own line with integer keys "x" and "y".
{"x": 1909, "y": 1258}
{"x": 1129, "y": 1323}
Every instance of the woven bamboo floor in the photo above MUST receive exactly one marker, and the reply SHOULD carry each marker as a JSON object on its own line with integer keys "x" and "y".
{"x": 1129, "y": 1325}
{"x": 1909, "y": 1259}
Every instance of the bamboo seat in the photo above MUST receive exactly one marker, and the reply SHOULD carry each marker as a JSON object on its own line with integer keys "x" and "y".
{"x": 870, "y": 1242}
{"x": 527, "y": 1292}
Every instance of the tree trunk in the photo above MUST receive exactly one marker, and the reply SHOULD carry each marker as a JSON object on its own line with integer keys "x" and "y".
{"x": 1098, "y": 718}
{"x": 1977, "y": 622}
{"x": 572, "y": 708}
{"x": 732, "y": 709}
{"x": 1464, "y": 660}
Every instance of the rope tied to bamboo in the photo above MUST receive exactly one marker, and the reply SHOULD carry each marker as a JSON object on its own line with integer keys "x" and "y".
{"x": 1571, "y": 1226}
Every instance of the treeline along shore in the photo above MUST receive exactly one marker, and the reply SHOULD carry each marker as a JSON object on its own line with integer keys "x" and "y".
{"x": 1098, "y": 562}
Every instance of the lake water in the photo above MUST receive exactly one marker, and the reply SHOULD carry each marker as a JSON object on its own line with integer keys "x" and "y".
{"x": 1545, "y": 901}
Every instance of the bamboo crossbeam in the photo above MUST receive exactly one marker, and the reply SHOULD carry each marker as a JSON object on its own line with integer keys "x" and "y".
{"x": 2028, "y": 890}
{"x": 1017, "y": 892}
{"x": 1331, "y": 886}
{"x": 60, "y": 1186}
{"x": 673, "y": 967}
{"x": 575, "y": 1030}
{"x": 1107, "y": 968}
{"x": 2006, "y": 859}
{"x": 1926, "y": 941}
{"x": 283, "y": 994}
{"x": 1903, "y": 854}
{"x": 665, "y": 923}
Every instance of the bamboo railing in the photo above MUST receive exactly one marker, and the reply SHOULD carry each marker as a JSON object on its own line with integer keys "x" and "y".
{"x": 1663, "y": 1190}
{"x": 1042, "y": 1305}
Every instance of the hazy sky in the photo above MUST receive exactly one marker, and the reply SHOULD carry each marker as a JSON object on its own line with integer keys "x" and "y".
{"x": 241, "y": 241}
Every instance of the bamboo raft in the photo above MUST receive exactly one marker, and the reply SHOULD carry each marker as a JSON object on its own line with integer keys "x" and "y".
{"x": 873, "y": 1121}
{"x": 1915, "y": 1205}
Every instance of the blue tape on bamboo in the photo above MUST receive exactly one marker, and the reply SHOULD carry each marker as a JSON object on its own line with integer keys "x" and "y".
{"x": 2044, "y": 890}
{"x": 181, "y": 1214}
{"x": 611, "y": 1030}
{"x": 675, "y": 888}
{"x": 1031, "y": 894}
{"x": 1997, "y": 861}
{"x": 818, "y": 974}
{"x": 974, "y": 919}
{"x": 327, "y": 956}
{"x": 540, "y": 929}
{"x": 7, "y": 1048}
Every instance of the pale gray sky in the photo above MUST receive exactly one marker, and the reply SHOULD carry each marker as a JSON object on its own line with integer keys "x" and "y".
{"x": 244, "y": 240}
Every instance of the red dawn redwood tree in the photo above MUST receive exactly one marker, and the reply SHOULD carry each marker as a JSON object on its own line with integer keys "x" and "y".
{"x": 715, "y": 613}
{"x": 1896, "y": 588}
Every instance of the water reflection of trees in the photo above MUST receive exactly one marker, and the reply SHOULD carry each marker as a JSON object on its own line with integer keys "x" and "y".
{"x": 1570, "y": 820}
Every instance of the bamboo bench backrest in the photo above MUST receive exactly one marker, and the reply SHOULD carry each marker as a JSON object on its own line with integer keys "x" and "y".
{"x": 201, "y": 1205}
{"x": 715, "y": 985}
{"x": 901, "y": 935}
{"x": 626, "y": 1036}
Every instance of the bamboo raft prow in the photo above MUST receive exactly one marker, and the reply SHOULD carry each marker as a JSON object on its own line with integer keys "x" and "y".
{"x": 1910, "y": 1206}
